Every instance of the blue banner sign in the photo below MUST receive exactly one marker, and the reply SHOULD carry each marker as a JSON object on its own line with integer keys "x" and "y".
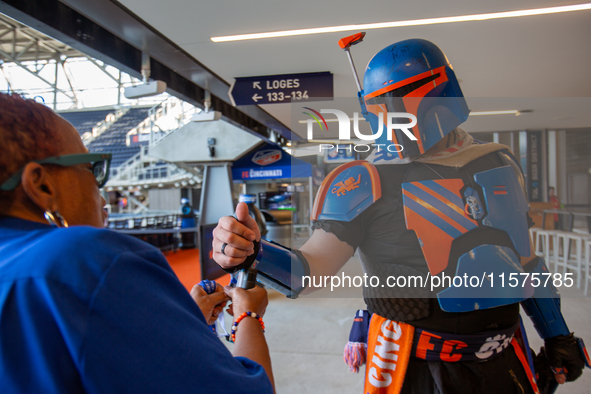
{"x": 278, "y": 89}
{"x": 269, "y": 162}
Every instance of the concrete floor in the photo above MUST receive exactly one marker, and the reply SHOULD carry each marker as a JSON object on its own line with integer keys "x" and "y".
{"x": 307, "y": 336}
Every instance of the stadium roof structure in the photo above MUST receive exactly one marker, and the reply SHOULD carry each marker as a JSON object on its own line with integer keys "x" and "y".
{"x": 40, "y": 67}
{"x": 186, "y": 78}
{"x": 20, "y": 43}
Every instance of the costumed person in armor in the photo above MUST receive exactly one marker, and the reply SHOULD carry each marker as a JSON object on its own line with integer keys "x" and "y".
{"x": 429, "y": 201}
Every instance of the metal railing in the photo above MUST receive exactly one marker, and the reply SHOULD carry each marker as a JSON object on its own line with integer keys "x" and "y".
{"x": 163, "y": 119}
{"x": 142, "y": 169}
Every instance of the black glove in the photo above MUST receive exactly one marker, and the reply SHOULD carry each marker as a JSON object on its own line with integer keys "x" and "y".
{"x": 563, "y": 351}
{"x": 544, "y": 375}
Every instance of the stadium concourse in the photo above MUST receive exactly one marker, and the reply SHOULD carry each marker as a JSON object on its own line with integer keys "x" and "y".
{"x": 306, "y": 336}
{"x": 307, "y": 356}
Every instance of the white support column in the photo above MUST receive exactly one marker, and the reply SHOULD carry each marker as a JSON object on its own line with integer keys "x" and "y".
{"x": 552, "y": 160}
{"x": 216, "y": 193}
{"x": 561, "y": 174}
{"x": 545, "y": 165}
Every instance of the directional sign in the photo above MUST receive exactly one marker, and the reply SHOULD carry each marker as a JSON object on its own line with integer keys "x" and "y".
{"x": 277, "y": 89}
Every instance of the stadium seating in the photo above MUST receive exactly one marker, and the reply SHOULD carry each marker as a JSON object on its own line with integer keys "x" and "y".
{"x": 113, "y": 139}
{"x": 84, "y": 121}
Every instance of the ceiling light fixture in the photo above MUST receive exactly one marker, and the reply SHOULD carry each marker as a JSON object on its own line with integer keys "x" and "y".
{"x": 507, "y": 112}
{"x": 416, "y": 22}
{"x": 473, "y": 113}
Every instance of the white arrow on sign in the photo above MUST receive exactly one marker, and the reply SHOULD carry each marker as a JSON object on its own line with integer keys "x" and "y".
{"x": 256, "y": 98}
{"x": 257, "y": 85}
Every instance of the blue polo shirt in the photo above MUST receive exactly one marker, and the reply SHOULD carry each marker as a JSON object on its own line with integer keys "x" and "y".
{"x": 86, "y": 310}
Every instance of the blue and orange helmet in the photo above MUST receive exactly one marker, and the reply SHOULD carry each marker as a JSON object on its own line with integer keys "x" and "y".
{"x": 413, "y": 76}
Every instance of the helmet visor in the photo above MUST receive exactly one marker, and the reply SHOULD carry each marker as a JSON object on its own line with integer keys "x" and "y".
{"x": 405, "y": 97}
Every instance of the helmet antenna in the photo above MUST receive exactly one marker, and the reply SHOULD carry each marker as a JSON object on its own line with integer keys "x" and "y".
{"x": 345, "y": 43}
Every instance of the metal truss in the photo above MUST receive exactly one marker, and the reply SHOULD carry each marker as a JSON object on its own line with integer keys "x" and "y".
{"x": 32, "y": 51}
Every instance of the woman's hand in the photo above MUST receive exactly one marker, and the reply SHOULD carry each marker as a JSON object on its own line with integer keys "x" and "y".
{"x": 252, "y": 300}
{"x": 211, "y": 305}
{"x": 250, "y": 338}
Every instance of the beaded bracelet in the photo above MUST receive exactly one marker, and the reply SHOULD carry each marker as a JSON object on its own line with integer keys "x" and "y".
{"x": 239, "y": 319}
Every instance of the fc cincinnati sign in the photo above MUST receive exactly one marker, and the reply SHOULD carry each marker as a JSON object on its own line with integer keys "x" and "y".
{"x": 267, "y": 156}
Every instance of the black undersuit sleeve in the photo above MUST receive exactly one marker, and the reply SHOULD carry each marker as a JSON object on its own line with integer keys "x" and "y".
{"x": 349, "y": 232}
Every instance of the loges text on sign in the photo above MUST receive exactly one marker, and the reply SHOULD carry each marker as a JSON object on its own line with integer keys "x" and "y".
{"x": 281, "y": 88}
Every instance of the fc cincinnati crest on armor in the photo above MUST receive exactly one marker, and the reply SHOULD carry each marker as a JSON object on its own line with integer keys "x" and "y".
{"x": 349, "y": 184}
{"x": 267, "y": 156}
